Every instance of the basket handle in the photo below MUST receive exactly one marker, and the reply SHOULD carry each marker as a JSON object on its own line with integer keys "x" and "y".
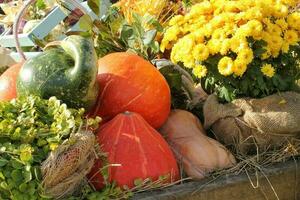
{"x": 21, "y": 14}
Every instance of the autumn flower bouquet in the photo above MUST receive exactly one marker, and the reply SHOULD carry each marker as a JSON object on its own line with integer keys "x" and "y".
{"x": 238, "y": 48}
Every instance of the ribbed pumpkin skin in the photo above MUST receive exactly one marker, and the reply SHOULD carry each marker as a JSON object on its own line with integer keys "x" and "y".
{"x": 142, "y": 152}
{"x": 130, "y": 83}
{"x": 8, "y": 81}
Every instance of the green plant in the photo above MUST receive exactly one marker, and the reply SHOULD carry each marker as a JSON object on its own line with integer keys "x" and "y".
{"x": 114, "y": 34}
{"x": 254, "y": 83}
{"x": 30, "y": 128}
{"x": 237, "y": 49}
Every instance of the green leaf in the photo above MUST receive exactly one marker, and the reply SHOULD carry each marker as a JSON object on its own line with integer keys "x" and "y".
{"x": 27, "y": 175}
{"x": 152, "y": 21}
{"x": 37, "y": 173}
{"x": 17, "y": 176}
{"x": 126, "y": 32}
{"x": 23, "y": 187}
{"x": 16, "y": 164}
{"x": 40, "y": 4}
{"x": 224, "y": 93}
{"x": 31, "y": 188}
{"x": 85, "y": 23}
{"x": 3, "y": 162}
{"x": 258, "y": 52}
{"x": 149, "y": 36}
{"x": 94, "y": 6}
{"x": 2, "y": 176}
{"x": 4, "y": 185}
{"x": 174, "y": 80}
{"x": 155, "y": 47}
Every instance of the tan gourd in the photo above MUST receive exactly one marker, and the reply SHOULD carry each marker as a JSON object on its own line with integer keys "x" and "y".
{"x": 198, "y": 153}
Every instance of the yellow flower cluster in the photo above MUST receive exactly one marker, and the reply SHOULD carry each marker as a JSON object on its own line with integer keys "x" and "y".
{"x": 223, "y": 26}
{"x": 268, "y": 70}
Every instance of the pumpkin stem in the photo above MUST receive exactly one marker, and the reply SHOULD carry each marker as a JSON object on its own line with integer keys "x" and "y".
{"x": 52, "y": 44}
{"x": 127, "y": 113}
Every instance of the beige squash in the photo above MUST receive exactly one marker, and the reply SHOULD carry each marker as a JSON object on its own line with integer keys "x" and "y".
{"x": 198, "y": 153}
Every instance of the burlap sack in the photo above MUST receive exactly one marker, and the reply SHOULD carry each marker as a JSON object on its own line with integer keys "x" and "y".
{"x": 65, "y": 169}
{"x": 254, "y": 123}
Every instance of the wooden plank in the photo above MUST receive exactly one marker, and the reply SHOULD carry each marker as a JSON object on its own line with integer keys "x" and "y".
{"x": 283, "y": 178}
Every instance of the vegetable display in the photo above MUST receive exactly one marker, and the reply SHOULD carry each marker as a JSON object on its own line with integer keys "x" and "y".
{"x": 150, "y": 73}
{"x": 68, "y": 72}
{"x": 129, "y": 83}
{"x": 136, "y": 151}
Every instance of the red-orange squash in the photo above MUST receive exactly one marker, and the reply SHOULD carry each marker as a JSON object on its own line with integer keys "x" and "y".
{"x": 130, "y": 83}
{"x": 8, "y": 82}
{"x": 138, "y": 149}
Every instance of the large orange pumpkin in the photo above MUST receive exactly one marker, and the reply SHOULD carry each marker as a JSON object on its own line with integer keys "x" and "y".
{"x": 8, "y": 82}
{"x": 139, "y": 149}
{"x": 130, "y": 83}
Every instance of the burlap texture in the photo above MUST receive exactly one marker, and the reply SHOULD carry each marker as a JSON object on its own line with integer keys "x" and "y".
{"x": 254, "y": 123}
{"x": 66, "y": 168}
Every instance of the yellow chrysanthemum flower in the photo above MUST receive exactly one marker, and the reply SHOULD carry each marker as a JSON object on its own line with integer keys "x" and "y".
{"x": 255, "y": 28}
{"x": 291, "y": 37}
{"x": 237, "y": 44}
{"x": 275, "y": 44}
{"x": 239, "y": 67}
{"x": 207, "y": 30}
{"x": 230, "y": 28}
{"x": 219, "y": 34}
{"x": 170, "y": 35}
{"x": 293, "y": 20}
{"x": 225, "y": 66}
{"x": 268, "y": 70}
{"x": 217, "y": 22}
{"x": 242, "y": 32}
{"x": 290, "y": 2}
{"x": 282, "y": 24}
{"x": 225, "y": 47}
{"x": 267, "y": 54}
{"x": 200, "y": 52}
{"x": 188, "y": 61}
{"x": 177, "y": 20}
{"x": 254, "y": 13}
{"x": 246, "y": 55}
{"x": 274, "y": 29}
{"x": 200, "y": 71}
{"x": 233, "y": 7}
{"x": 225, "y": 27}
{"x": 199, "y": 35}
{"x": 285, "y": 47}
{"x": 214, "y": 46}
{"x": 202, "y": 8}
{"x": 280, "y": 10}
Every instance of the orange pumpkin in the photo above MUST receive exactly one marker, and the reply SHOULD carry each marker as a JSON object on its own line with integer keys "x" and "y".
{"x": 130, "y": 83}
{"x": 8, "y": 82}
{"x": 140, "y": 151}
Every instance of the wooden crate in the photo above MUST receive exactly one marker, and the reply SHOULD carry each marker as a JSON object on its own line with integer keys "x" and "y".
{"x": 284, "y": 178}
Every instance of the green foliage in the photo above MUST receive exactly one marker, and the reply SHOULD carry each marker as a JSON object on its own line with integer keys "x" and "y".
{"x": 28, "y": 128}
{"x": 253, "y": 83}
{"x": 37, "y": 10}
{"x": 140, "y": 40}
{"x": 114, "y": 34}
